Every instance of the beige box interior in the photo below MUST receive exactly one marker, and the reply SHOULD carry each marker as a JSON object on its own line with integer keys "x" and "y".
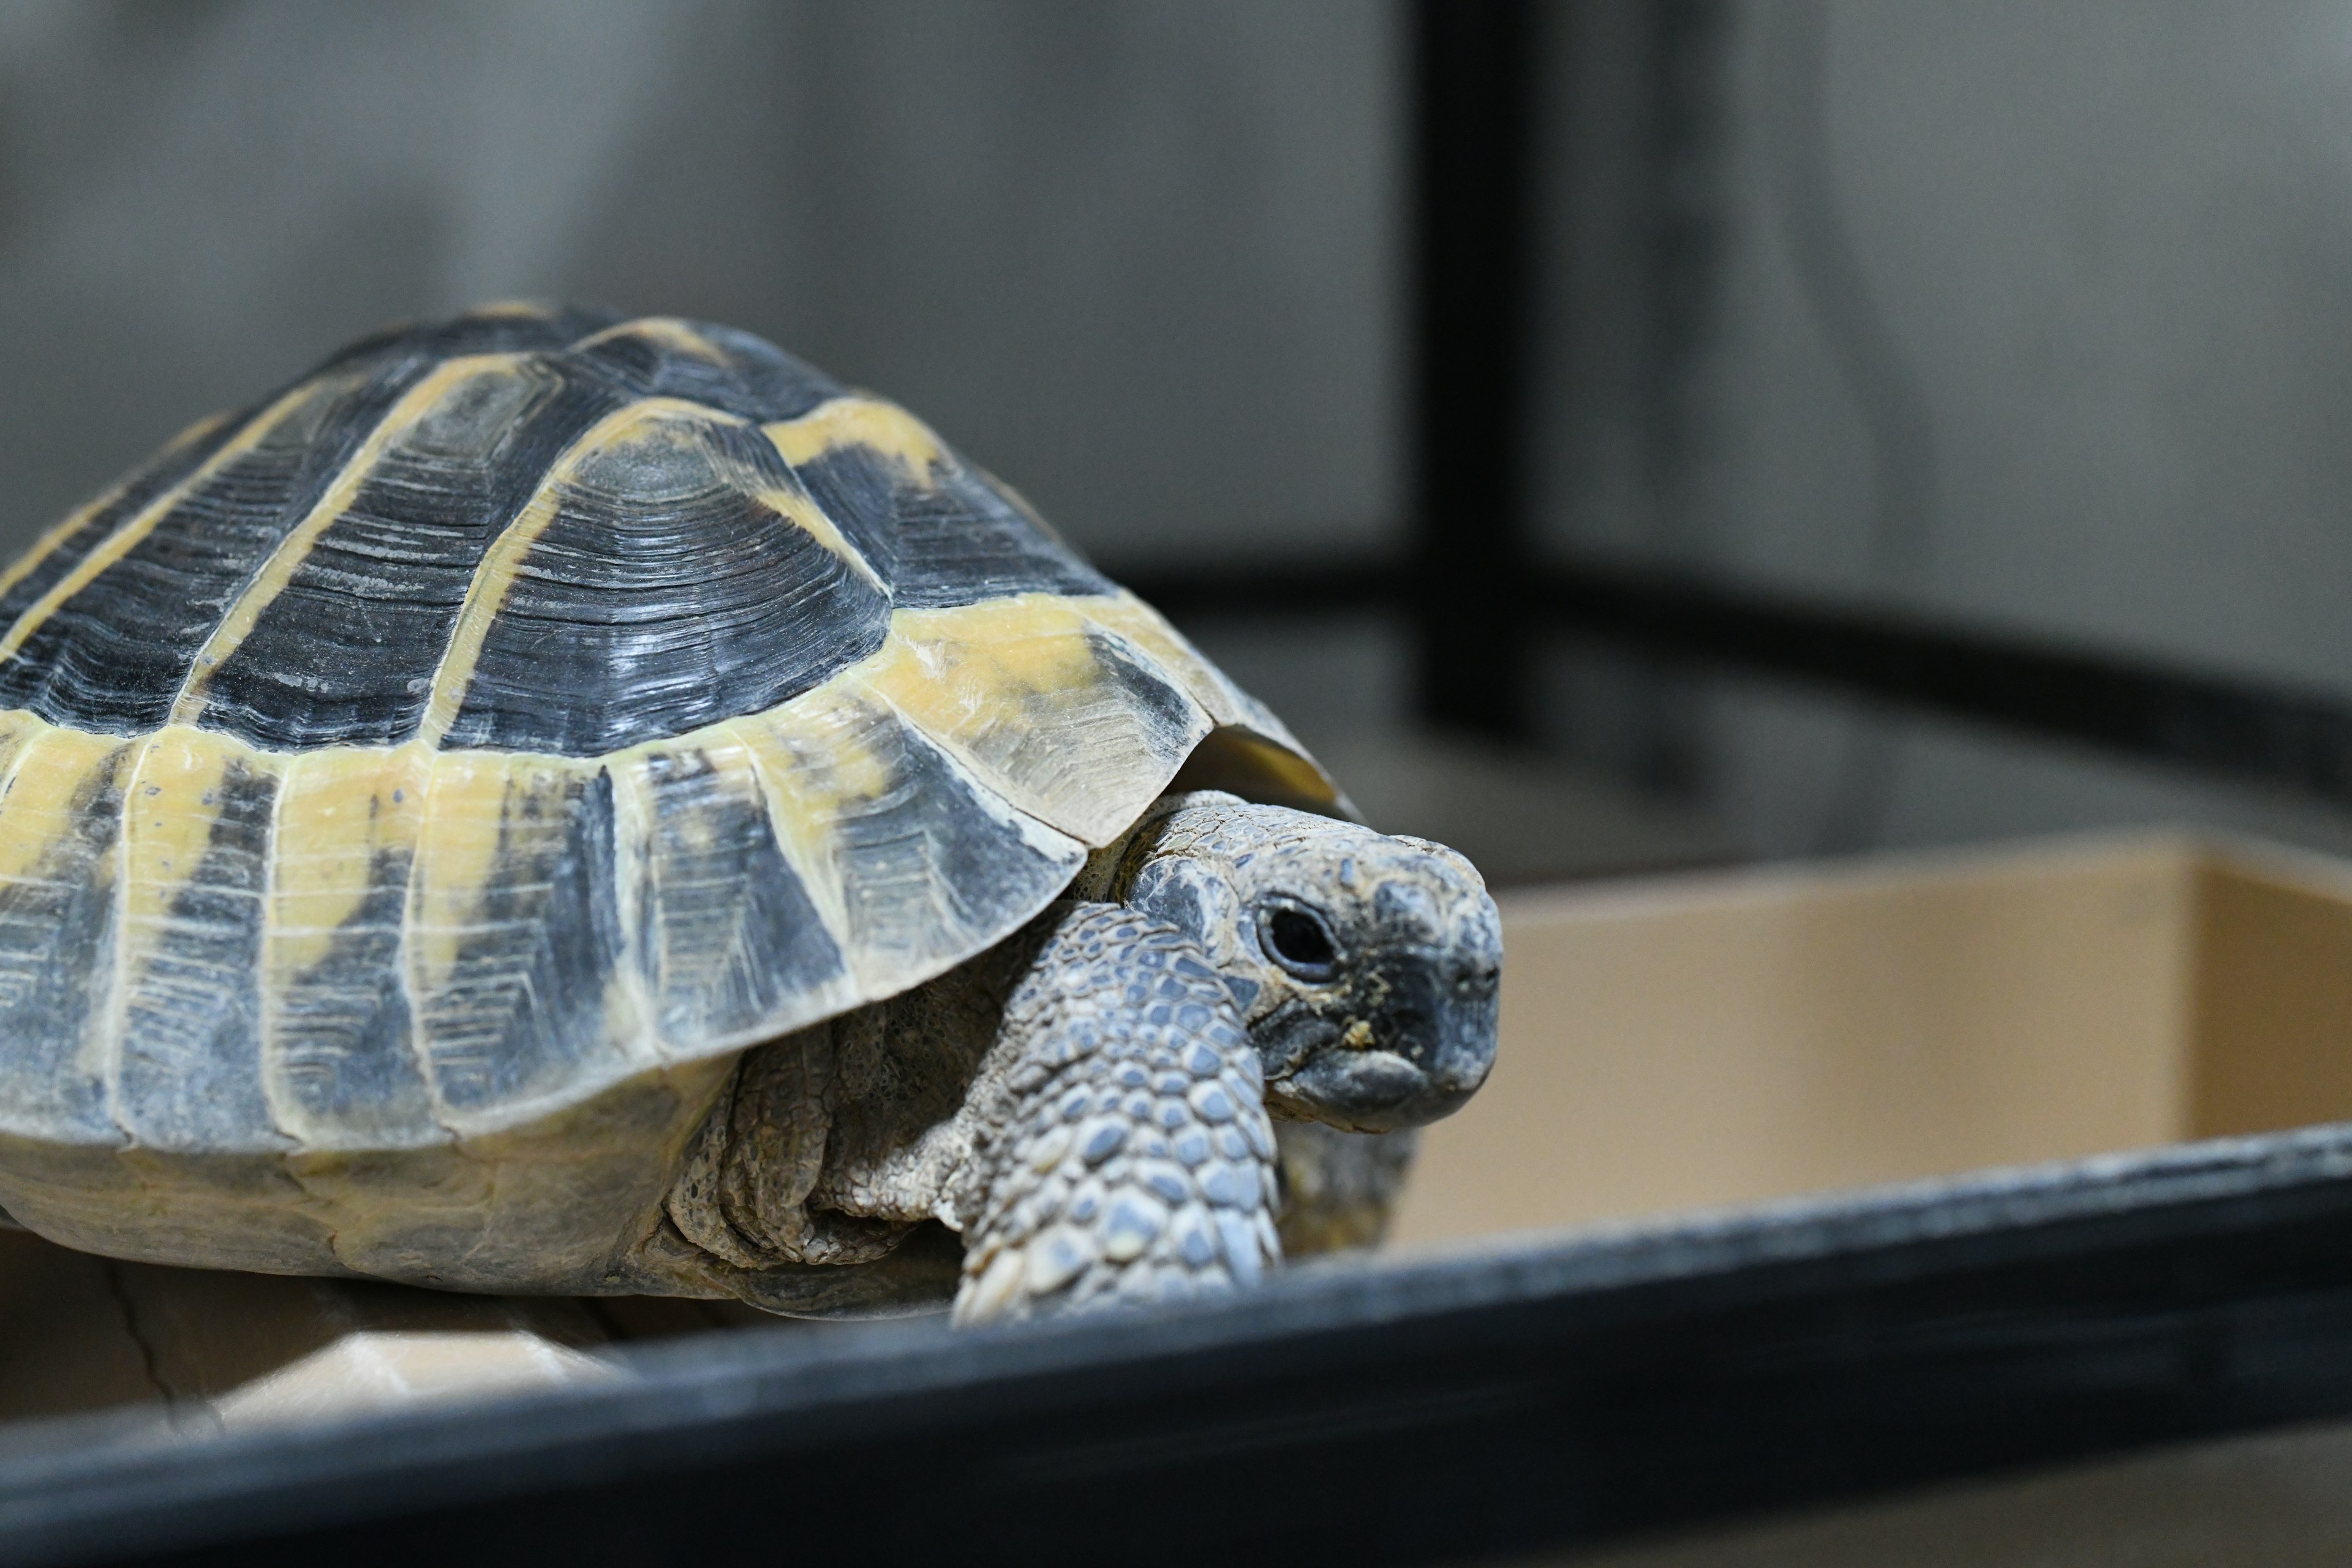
{"x": 1708, "y": 1039}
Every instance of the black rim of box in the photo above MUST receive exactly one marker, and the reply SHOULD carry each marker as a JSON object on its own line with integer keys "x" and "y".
{"x": 1648, "y": 1378}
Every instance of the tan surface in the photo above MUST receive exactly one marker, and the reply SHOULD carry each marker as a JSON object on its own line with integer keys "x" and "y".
{"x": 2274, "y": 1023}
{"x": 80, "y": 1332}
{"x": 1713, "y": 1039}
{"x": 373, "y": 1371}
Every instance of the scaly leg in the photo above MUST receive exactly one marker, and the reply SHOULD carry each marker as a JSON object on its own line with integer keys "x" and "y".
{"x": 1120, "y": 1146}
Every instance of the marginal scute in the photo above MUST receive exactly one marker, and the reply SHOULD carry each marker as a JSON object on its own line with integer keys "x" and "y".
{"x": 516, "y": 939}
{"x": 1251, "y": 753}
{"x": 198, "y": 814}
{"x": 918, "y": 863}
{"x": 339, "y": 1038}
{"x": 1067, "y": 720}
{"x": 60, "y": 821}
{"x": 729, "y": 940}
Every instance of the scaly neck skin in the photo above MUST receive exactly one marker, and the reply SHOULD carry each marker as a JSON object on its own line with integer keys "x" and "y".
{"x": 1364, "y": 966}
{"x": 1110, "y": 871}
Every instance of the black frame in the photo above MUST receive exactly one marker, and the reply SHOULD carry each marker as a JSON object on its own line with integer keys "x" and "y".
{"x": 1484, "y": 604}
{"x": 1440, "y": 1411}
{"x": 2294, "y": 742}
{"x": 1474, "y": 91}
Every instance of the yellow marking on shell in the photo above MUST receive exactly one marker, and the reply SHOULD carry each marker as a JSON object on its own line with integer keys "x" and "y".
{"x": 494, "y": 575}
{"x": 667, "y": 330}
{"x": 857, "y": 421}
{"x": 169, "y": 807}
{"x": 22, "y": 567}
{"x": 1015, "y": 690}
{"x": 1141, "y": 625}
{"x": 49, "y": 770}
{"x": 1273, "y": 756}
{"x": 814, "y": 757}
{"x": 953, "y": 671}
{"x": 1033, "y": 640}
{"x": 527, "y": 310}
{"x": 340, "y": 810}
{"x": 467, "y": 800}
{"x": 800, "y": 509}
{"x": 279, "y": 570}
{"x": 18, "y": 733}
{"x": 140, "y": 526}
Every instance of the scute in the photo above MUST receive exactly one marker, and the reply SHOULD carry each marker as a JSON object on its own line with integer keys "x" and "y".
{"x": 516, "y": 711}
{"x": 336, "y": 641}
{"x": 342, "y": 1070}
{"x": 669, "y": 571}
{"x": 517, "y": 938}
{"x": 60, "y": 824}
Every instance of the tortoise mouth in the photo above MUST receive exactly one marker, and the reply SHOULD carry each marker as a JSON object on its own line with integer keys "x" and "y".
{"x": 1422, "y": 1052}
{"x": 1366, "y": 1091}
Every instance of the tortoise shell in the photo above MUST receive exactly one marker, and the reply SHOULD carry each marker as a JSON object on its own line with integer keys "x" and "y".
{"x": 522, "y": 703}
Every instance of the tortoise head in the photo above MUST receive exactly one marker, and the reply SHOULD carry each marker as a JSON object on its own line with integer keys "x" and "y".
{"x": 1365, "y": 966}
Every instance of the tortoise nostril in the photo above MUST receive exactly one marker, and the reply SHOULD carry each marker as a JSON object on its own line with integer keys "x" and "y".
{"x": 1471, "y": 982}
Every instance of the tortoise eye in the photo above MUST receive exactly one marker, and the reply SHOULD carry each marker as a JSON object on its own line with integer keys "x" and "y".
{"x": 1298, "y": 940}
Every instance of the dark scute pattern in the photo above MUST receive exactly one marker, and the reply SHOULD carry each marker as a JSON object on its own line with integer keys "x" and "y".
{"x": 112, "y": 657}
{"x": 191, "y": 1073}
{"x": 1163, "y": 710}
{"x": 343, "y": 1029}
{"x": 636, "y": 616}
{"x": 927, "y": 853}
{"x": 57, "y": 952}
{"x": 754, "y": 380}
{"x": 526, "y": 1002}
{"x": 640, "y": 615}
{"x": 495, "y": 332}
{"x": 740, "y": 937}
{"x": 956, "y": 540}
{"x": 345, "y": 654}
{"x": 858, "y": 489}
{"x": 162, "y": 471}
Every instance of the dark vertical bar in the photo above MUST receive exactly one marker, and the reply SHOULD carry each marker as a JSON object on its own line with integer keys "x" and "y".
{"x": 1474, "y": 80}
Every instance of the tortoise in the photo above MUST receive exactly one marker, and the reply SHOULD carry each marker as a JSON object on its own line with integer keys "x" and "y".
{"x": 557, "y": 802}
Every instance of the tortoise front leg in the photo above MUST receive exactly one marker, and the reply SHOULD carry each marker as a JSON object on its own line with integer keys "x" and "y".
{"x": 1120, "y": 1146}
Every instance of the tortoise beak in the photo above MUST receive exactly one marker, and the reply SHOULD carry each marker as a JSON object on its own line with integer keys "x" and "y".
{"x": 1427, "y": 1049}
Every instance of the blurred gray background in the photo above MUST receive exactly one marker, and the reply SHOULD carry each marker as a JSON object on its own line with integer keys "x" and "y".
{"x": 2038, "y": 314}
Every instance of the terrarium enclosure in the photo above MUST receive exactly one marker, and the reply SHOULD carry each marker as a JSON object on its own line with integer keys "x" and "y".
{"x": 1837, "y": 509}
